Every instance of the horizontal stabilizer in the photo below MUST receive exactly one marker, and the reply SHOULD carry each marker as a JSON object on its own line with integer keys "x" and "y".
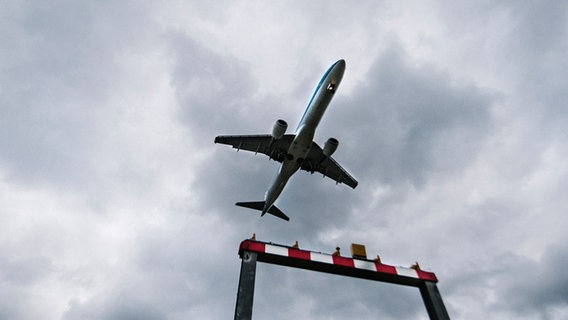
{"x": 259, "y": 205}
{"x": 256, "y": 205}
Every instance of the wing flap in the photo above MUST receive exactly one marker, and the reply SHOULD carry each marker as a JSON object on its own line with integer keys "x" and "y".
{"x": 317, "y": 161}
{"x": 264, "y": 143}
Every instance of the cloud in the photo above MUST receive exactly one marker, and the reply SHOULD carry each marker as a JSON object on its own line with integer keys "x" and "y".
{"x": 201, "y": 77}
{"x": 116, "y": 203}
{"x": 314, "y": 295}
{"x": 536, "y": 287}
{"x": 64, "y": 93}
{"x": 416, "y": 120}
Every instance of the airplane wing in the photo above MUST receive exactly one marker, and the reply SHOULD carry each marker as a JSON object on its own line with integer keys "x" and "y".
{"x": 317, "y": 161}
{"x": 276, "y": 150}
{"x": 264, "y": 143}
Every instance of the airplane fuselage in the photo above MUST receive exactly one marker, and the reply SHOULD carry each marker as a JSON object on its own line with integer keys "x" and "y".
{"x": 304, "y": 135}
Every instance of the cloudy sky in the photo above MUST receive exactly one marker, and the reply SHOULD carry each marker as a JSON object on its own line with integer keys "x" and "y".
{"x": 116, "y": 204}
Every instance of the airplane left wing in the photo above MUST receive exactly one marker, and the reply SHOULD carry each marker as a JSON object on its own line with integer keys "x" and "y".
{"x": 263, "y": 143}
{"x": 317, "y": 161}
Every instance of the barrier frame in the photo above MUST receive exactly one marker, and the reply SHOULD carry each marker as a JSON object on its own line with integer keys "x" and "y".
{"x": 252, "y": 251}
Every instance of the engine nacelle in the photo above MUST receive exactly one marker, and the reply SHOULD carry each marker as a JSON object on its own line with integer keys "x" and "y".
{"x": 330, "y": 146}
{"x": 279, "y": 129}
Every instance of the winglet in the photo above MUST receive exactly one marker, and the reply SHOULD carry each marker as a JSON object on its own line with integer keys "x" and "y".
{"x": 259, "y": 205}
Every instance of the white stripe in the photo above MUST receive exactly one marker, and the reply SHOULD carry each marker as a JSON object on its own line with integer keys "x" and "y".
{"x": 277, "y": 250}
{"x": 406, "y": 272}
{"x": 320, "y": 257}
{"x": 362, "y": 264}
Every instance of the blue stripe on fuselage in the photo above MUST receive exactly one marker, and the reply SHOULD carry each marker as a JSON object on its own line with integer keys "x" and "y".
{"x": 315, "y": 92}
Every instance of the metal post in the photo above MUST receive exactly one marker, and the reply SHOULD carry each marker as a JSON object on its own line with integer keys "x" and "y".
{"x": 433, "y": 301}
{"x": 245, "y": 294}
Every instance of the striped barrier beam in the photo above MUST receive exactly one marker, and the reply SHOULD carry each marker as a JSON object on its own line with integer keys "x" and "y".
{"x": 335, "y": 264}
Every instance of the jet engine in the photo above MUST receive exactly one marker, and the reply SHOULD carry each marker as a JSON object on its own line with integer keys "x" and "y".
{"x": 279, "y": 129}
{"x": 330, "y": 146}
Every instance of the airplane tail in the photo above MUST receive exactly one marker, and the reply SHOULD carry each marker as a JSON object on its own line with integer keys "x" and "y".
{"x": 259, "y": 205}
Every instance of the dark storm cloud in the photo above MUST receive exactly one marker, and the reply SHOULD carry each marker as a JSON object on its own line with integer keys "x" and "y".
{"x": 415, "y": 122}
{"x": 538, "y": 287}
{"x": 214, "y": 96}
{"x": 213, "y": 91}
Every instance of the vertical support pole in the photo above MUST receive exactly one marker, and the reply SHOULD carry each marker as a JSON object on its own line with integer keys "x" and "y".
{"x": 433, "y": 301}
{"x": 245, "y": 294}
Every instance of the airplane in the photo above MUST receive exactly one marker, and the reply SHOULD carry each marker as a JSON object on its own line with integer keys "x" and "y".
{"x": 298, "y": 150}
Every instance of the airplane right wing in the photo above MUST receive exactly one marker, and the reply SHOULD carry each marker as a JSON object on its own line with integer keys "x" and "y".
{"x": 317, "y": 161}
{"x": 263, "y": 143}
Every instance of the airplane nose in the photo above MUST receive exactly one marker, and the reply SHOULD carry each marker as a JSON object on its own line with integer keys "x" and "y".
{"x": 339, "y": 65}
{"x": 338, "y": 70}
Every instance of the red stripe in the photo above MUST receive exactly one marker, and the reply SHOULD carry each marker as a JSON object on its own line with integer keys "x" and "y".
{"x": 300, "y": 254}
{"x": 385, "y": 268}
{"x": 424, "y": 275}
{"x": 253, "y": 246}
{"x": 342, "y": 261}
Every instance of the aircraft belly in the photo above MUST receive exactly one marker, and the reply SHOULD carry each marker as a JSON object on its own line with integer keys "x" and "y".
{"x": 300, "y": 147}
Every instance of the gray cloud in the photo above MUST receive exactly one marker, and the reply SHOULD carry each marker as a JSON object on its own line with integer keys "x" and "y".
{"x": 63, "y": 78}
{"x": 416, "y": 122}
{"x": 322, "y": 296}
{"x": 117, "y": 204}
{"x": 120, "y": 308}
{"x": 537, "y": 287}
{"x": 211, "y": 89}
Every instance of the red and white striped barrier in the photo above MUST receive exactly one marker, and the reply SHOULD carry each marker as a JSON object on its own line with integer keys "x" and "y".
{"x": 318, "y": 257}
